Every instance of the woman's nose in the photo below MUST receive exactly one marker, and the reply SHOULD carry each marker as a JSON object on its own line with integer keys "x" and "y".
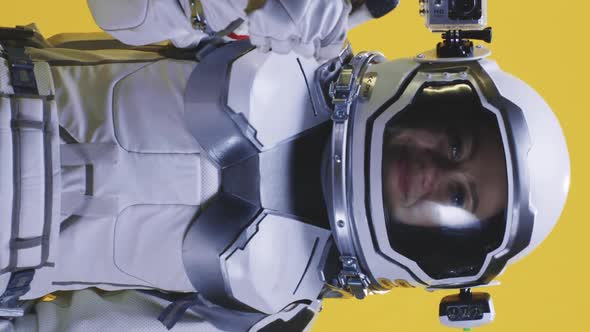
{"x": 429, "y": 178}
{"x": 430, "y": 172}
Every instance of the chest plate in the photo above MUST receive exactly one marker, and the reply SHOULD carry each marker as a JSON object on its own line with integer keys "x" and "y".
{"x": 260, "y": 244}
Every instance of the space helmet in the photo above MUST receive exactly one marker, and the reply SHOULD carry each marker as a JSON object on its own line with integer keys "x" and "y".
{"x": 451, "y": 245}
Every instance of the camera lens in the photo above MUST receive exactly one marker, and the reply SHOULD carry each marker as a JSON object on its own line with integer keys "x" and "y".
{"x": 465, "y": 9}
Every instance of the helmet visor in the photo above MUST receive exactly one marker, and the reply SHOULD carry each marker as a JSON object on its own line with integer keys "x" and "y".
{"x": 444, "y": 181}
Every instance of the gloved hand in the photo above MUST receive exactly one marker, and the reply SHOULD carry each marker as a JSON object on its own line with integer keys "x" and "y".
{"x": 312, "y": 28}
{"x": 309, "y": 27}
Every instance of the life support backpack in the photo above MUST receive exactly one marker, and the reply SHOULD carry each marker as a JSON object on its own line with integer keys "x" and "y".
{"x": 29, "y": 138}
{"x": 31, "y": 157}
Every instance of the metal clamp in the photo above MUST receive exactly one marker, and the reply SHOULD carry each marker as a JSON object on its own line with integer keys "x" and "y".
{"x": 197, "y": 15}
{"x": 344, "y": 92}
{"x": 352, "y": 279}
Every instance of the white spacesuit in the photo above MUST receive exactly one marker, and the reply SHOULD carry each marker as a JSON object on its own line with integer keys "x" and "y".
{"x": 230, "y": 186}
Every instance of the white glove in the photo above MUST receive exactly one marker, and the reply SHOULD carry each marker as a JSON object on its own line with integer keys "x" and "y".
{"x": 142, "y": 22}
{"x": 309, "y": 27}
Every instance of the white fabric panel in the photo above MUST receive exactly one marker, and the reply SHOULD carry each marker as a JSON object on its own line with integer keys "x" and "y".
{"x": 139, "y": 249}
{"x": 220, "y": 13}
{"x": 73, "y": 179}
{"x": 73, "y": 57}
{"x": 241, "y": 84}
{"x": 210, "y": 179}
{"x": 29, "y": 109}
{"x": 151, "y": 179}
{"x": 141, "y": 22}
{"x": 75, "y": 203}
{"x": 138, "y": 233}
{"x": 278, "y": 265}
{"x": 276, "y": 111}
{"x": 88, "y": 116}
{"x": 29, "y": 257}
{"x": 6, "y": 181}
{"x": 43, "y": 78}
{"x": 88, "y": 153}
{"x": 32, "y": 163}
{"x": 5, "y": 86}
{"x": 55, "y": 144}
{"x": 32, "y": 183}
{"x": 119, "y": 15}
{"x": 153, "y": 122}
{"x": 85, "y": 257}
{"x": 4, "y": 278}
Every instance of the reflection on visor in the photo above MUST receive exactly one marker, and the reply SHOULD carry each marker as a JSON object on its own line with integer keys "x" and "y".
{"x": 444, "y": 182}
{"x": 447, "y": 252}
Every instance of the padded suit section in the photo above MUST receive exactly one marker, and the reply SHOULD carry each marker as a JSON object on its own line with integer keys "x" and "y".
{"x": 278, "y": 111}
{"x": 149, "y": 122}
{"x": 150, "y": 179}
{"x": 142, "y": 22}
{"x": 5, "y": 86}
{"x": 32, "y": 181}
{"x": 127, "y": 14}
{"x": 32, "y": 178}
{"x": 155, "y": 179}
{"x": 85, "y": 98}
{"x": 275, "y": 263}
{"x": 6, "y": 180}
{"x": 133, "y": 240}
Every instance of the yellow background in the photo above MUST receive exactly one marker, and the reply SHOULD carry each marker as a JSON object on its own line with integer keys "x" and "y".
{"x": 543, "y": 43}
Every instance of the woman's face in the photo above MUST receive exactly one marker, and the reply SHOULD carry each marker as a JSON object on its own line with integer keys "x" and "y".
{"x": 444, "y": 175}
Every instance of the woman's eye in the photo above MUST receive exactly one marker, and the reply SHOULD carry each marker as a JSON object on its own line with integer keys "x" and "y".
{"x": 456, "y": 148}
{"x": 457, "y": 196}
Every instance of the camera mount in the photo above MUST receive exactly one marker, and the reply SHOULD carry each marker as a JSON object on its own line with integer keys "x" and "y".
{"x": 457, "y": 43}
{"x": 466, "y": 309}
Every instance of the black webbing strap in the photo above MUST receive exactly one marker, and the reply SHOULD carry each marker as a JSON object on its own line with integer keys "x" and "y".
{"x": 22, "y": 74}
{"x": 173, "y": 313}
{"x": 19, "y": 284}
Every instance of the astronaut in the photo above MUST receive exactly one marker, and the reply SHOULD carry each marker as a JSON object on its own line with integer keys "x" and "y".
{"x": 213, "y": 185}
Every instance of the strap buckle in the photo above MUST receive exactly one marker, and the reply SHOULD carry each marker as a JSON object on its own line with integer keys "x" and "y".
{"x": 352, "y": 279}
{"x": 342, "y": 94}
{"x": 22, "y": 71}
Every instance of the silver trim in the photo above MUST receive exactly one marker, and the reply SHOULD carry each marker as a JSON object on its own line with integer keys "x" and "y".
{"x": 343, "y": 92}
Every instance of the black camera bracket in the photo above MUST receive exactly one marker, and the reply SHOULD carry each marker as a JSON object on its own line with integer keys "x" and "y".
{"x": 457, "y": 43}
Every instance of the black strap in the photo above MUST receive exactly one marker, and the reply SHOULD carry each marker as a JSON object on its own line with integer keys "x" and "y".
{"x": 173, "y": 313}
{"x": 19, "y": 285}
{"x": 22, "y": 74}
{"x": 21, "y": 36}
